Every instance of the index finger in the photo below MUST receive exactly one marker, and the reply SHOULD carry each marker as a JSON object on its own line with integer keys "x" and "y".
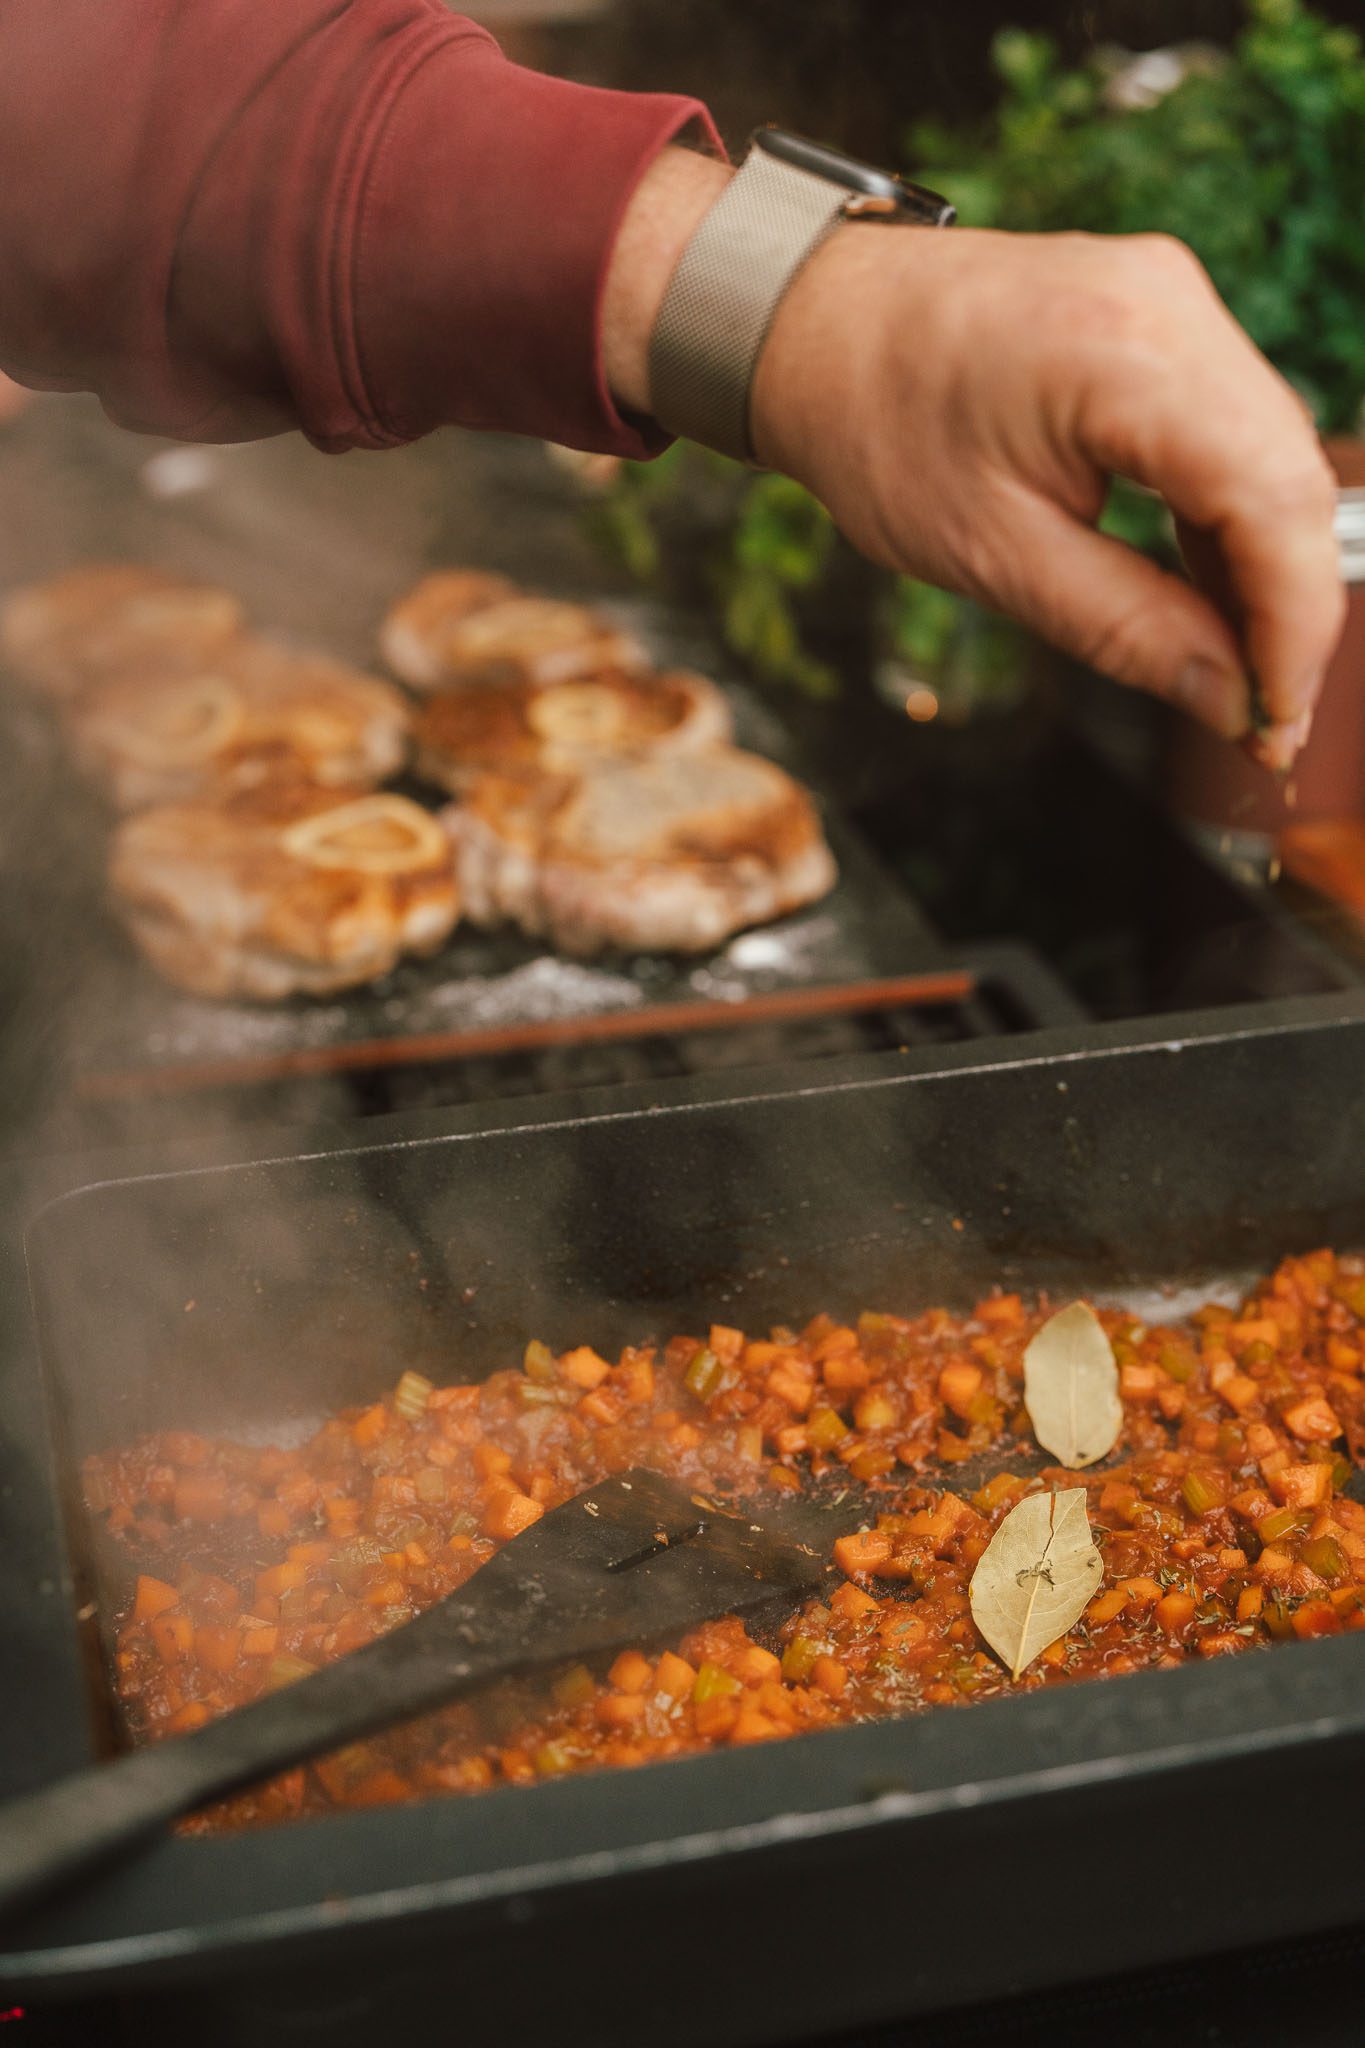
{"x": 1224, "y": 440}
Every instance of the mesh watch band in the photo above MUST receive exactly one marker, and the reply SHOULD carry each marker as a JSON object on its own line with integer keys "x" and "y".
{"x": 725, "y": 292}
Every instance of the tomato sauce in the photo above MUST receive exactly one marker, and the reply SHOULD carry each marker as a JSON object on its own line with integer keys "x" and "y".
{"x": 1222, "y": 1518}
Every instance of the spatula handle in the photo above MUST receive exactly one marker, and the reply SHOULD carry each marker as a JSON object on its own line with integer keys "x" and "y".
{"x": 78, "y": 1821}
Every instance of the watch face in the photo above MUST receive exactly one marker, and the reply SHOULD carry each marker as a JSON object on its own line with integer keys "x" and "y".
{"x": 900, "y": 200}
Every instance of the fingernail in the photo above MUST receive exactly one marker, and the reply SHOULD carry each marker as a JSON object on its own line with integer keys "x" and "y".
{"x": 1214, "y": 693}
{"x": 1279, "y": 747}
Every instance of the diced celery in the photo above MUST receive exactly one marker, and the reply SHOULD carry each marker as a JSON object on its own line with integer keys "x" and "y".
{"x": 1324, "y": 1555}
{"x": 539, "y": 1363}
{"x": 704, "y": 1375}
{"x": 286, "y": 1670}
{"x": 552, "y": 1758}
{"x": 532, "y": 1394}
{"x": 411, "y": 1395}
{"x": 798, "y": 1659}
{"x": 825, "y": 1429}
{"x": 714, "y": 1682}
{"x": 1199, "y": 1494}
{"x": 1281, "y": 1522}
{"x": 573, "y": 1688}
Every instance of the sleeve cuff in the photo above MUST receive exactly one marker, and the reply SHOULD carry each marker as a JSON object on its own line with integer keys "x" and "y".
{"x": 491, "y": 207}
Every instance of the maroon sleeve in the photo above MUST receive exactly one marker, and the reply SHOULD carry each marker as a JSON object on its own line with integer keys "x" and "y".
{"x": 229, "y": 217}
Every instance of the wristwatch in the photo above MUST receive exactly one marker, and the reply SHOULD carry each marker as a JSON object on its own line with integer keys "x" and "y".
{"x": 786, "y": 198}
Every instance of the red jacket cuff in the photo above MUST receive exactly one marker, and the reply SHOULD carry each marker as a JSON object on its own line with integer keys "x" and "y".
{"x": 482, "y": 244}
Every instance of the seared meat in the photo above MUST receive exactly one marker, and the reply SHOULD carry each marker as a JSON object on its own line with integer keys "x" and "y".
{"x": 261, "y": 713}
{"x": 669, "y": 853}
{"x": 519, "y": 729}
{"x": 74, "y": 630}
{"x": 461, "y": 626}
{"x": 274, "y": 892}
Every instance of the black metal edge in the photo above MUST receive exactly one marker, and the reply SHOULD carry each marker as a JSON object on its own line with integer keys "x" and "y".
{"x": 200, "y": 1907}
{"x": 30, "y": 1186}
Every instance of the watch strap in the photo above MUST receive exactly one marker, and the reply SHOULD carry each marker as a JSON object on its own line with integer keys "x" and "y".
{"x": 724, "y": 294}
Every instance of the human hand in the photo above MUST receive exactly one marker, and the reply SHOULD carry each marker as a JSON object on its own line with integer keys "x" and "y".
{"x": 959, "y": 401}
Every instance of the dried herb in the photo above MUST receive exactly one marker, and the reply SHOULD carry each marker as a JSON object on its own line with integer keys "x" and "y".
{"x": 1035, "y": 1577}
{"x": 1071, "y": 1387}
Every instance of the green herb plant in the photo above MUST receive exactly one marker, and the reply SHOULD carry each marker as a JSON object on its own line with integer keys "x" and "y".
{"x": 1256, "y": 158}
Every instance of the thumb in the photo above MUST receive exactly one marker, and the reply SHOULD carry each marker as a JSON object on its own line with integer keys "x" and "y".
{"x": 1115, "y": 610}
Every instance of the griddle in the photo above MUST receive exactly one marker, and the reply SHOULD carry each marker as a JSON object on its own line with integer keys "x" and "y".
{"x": 763, "y": 1895}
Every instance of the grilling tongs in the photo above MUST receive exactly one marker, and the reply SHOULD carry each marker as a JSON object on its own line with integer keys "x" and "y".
{"x": 633, "y": 1559}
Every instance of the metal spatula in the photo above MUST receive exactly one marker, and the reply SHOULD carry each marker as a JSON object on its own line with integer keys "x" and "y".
{"x": 632, "y": 1559}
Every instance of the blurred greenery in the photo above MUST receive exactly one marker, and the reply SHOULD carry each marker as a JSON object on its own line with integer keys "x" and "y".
{"x": 1256, "y": 158}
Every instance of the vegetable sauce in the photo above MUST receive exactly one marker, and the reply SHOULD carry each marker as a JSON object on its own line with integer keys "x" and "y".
{"x": 1222, "y": 1519}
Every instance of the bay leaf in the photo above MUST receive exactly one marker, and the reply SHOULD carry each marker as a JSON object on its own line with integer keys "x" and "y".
{"x": 1071, "y": 1387}
{"x": 1035, "y": 1576}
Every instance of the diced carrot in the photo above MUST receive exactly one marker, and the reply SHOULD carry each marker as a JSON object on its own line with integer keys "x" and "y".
{"x": 726, "y": 1343}
{"x": 1261, "y": 1330}
{"x": 674, "y": 1675}
{"x": 1316, "y": 1618}
{"x": 584, "y": 1367}
{"x": 308, "y": 1553}
{"x": 830, "y": 1675}
{"x": 153, "y": 1597}
{"x": 280, "y": 1578}
{"x": 1249, "y": 1602}
{"x": 1313, "y": 1420}
{"x": 1273, "y": 1565}
{"x": 1143, "y": 1592}
{"x": 273, "y": 1518}
{"x": 1174, "y": 1611}
{"x": 192, "y": 1715}
{"x": 714, "y": 1718}
{"x": 1004, "y": 1310}
{"x": 874, "y": 1409}
{"x": 1239, "y": 1392}
{"x": 1302, "y": 1486}
{"x": 260, "y": 1642}
{"x": 1138, "y": 1381}
{"x": 602, "y": 1405}
{"x": 509, "y": 1513}
{"x": 491, "y": 1461}
{"x": 1260, "y": 1439}
{"x": 754, "y": 1664}
{"x": 791, "y": 1441}
{"x": 217, "y": 1647}
{"x": 752, "y": 1726}
{"x": 790, "y": 1387}
{"x": 759, "y": 1354}
{"x": 173, "y": 1635}
{"x": 381, "y": 1788}
{"x": 846, "y": 1371}
{"x": 1342, "y": 1357}
{"x": 200, "y": 1496}
{"x": 385, "y": 1593}
{"x": 866, "y": 1552}
{"x": 631, "y": 1672}
{"x": 620, "y": 1709}
{"x": 851, "y": 1603}
{"x": 370, "y": 1426}
{"x": 1106, "y": 1605}
{"x": 958, "y": 1386}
